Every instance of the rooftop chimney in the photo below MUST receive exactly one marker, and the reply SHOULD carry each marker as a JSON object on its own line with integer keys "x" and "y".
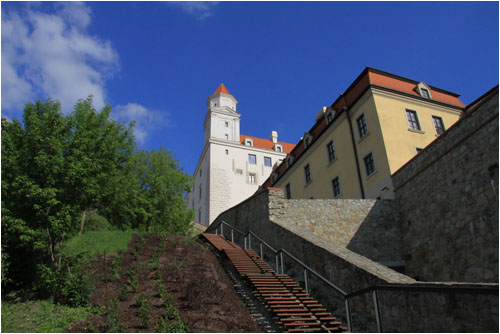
{"x": 274, "y": 137}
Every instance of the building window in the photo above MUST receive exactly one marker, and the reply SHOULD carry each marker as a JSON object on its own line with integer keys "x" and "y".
{"x": 227, "y": 124}
{"x": 336, "y": 187}
{"x": 438, "y": 124}
{"x": 278, "y": 148}
{"x": 200, "y": 191}
{"x": 252, "y": 159}
{"x": 267, "y": 162}
{"x": 413, "y": 123}
{"x": 369, "y": 164}
{"x": 331, "y": 151}
{"x": 288, "y": 191}
{"x": 307, "y": 173}
{"x": 248, "y": 142}
{"x": 199, "y": 215}
{"x": 329, "y": 118}
{"x": 227, "y": 152}
{"x": 425, "y": 93}
{"x": 226, "y": 136}
{"x": 418, "y": 149}
{"x": 200, "y": 172}
{"x": 363, "y": 129}
{"x": 251, "y": 178}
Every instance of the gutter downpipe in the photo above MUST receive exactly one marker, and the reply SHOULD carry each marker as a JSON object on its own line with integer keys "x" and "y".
{"x": 346, "y": 109}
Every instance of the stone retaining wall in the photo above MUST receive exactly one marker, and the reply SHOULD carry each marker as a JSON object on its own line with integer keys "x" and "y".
{"x": 368, "y": 227}
{"x": 448, "y": 198}
{"x": 351, "y": 272}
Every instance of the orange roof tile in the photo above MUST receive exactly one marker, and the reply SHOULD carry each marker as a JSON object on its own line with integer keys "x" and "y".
{"x": 221, "y": 89}
{"x": 266, "y": 144}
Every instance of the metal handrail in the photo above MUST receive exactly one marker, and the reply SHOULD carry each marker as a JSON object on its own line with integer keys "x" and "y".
{"x": 279, "y": 258}
{"x": 347, "y": 296}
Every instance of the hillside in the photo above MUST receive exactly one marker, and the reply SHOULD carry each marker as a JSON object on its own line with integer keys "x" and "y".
{"x": 166, "y": 284}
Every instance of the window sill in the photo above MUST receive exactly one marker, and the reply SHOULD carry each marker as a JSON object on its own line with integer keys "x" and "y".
{"x": 364, "y": 137}
{"x": 416, "y": 131}
{"x": 371, "y": 175}
{"x": 331, "y": 162}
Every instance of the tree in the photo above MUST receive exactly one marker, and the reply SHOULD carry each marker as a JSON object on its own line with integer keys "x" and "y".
{"x": 98, "y": 148}
{"x": 35, "y": 219}
{"x": 156, "y": 186}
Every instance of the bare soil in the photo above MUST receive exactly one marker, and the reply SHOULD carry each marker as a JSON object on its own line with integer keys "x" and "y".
{"x": 192, "y": 275}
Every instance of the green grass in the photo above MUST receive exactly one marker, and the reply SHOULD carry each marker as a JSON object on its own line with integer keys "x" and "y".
{"x": 40, "y": 317}
{"x": 94, "y": 243}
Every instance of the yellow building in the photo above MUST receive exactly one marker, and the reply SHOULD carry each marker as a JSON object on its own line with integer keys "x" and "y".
{"x": 379, "y": 123}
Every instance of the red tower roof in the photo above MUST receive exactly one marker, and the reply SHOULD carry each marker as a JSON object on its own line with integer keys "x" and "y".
{"x": 221, "y": 89}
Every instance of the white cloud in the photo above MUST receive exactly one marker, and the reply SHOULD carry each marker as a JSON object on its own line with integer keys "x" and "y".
{"x": 52, "y": 55}
{"x": 200, "y": 9}
{"x": 146, "y": 120}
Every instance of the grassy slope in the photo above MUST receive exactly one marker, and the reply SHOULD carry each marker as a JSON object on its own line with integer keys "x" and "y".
{"x": 44, "y": 316}
{"x": 40, "y": 316}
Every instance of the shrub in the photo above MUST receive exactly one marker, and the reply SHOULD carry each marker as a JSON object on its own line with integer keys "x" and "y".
{"x": 96, "y": 222}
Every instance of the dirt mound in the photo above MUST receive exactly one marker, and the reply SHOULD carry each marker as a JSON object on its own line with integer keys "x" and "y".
{"x": 174, "y": 268}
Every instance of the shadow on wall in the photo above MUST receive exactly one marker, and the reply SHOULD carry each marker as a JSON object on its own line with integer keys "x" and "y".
{"x": 379, "y": 237}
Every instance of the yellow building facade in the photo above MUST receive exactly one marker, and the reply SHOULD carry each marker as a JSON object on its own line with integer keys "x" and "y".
{"x": 379, "y": 123}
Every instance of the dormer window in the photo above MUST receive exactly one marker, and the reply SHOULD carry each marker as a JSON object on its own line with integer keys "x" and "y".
{"x": 278, "y": 148}
{"x": 289, "y": 160}
{"x": 329, "y": 117}
{"x": 248, "y": 142}
{"x": 307, "y": 140}
{"x": 424, "y": 91}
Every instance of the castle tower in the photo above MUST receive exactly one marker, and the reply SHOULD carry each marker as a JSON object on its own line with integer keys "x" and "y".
{"x": 231, "y": 165}
{"x": 222, "y": 121}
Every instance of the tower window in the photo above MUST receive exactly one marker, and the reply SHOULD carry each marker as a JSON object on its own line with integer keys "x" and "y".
{"x": 438, "y": 124}
{"x": 252, "y": 159}
{"x": 413, "y": 123}
{"x": 362, "y": 128}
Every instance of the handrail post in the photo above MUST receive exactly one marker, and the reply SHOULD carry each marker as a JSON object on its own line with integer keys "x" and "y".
{"x": 245, "y": 241}
{"x": 261, "y": 251}
{"x": 348, "y": 315}
{"x": 377, "y": 311}
{"x": 249, "y": 241}
{"x": 232, "y": 235}
{"x": 222, "y": 229}
{"x": 281, "y": 260}
{"x": 277, "y": 263}
{"x": 305, "y": 280}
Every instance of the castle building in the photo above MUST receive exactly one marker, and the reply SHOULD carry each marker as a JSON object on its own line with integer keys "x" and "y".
{"x": 232, "y": 165}
{"x": 379, "y": 123}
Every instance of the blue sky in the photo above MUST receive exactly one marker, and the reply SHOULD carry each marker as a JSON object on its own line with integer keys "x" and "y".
{"x": 157, "y": 62}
